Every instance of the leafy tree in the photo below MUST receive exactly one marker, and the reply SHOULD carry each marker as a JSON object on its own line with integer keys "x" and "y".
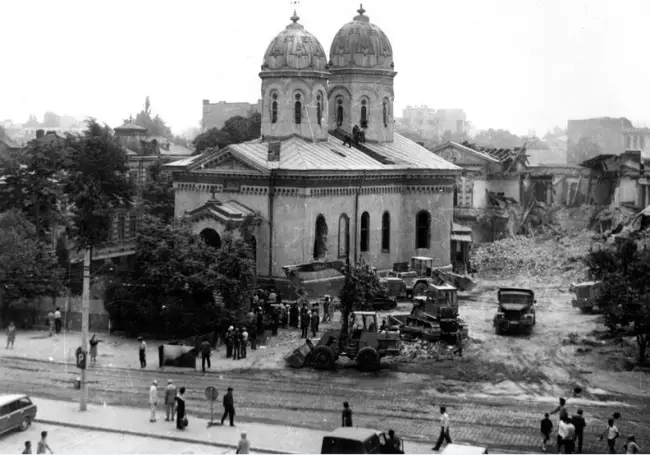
{"x": 236, "y": 264}
{"x": 455, "y": 137}
{"x": 28, "y": 268}
{"x": 625, "y": 291}
{"x": 234, "y": 131}
{"x": 158, "y": 193}
{"x": 361, "y": 285}
{"x": 155, "y": 125}
{"x": 32, "y": 184}
{"x": 52, "y": 120}
{"x": 498, "y": 139}
{"x": 96, "y": 182}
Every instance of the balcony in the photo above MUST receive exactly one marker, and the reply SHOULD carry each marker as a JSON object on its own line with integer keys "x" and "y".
{"x": 106, "y": 251}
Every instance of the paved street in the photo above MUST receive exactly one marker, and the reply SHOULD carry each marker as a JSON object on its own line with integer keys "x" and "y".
{"x": 71, "y": 440}
{"x": 312, "y": 399}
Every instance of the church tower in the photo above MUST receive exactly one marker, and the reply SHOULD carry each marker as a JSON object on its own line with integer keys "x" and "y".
{"x": 361, "y": 85}
{"x": 294, "y": 86}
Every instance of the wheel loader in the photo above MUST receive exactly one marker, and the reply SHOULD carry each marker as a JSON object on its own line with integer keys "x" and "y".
{"x": 366, "y": 345}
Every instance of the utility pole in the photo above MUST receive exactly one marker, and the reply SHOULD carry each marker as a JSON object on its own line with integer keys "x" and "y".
{"x": 85, "y": 322}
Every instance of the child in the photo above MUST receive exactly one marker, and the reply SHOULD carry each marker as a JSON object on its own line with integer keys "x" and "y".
{"x": 546, "y": 429}
{"x": 28, "y": 447}
{"x": 346, "y": 416}
{"x": 631, "y": 446}
{"x": 42, "y": 444}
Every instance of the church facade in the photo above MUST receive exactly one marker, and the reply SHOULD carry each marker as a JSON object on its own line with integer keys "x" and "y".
{"x": 384, "y": 200}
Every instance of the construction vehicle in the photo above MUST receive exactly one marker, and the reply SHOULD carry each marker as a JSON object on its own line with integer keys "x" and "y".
{"x": 421, "y": 274}
{"x": 434, "y": 316}
{"x": 586, "y": 295}
{"x": 516, "y": 311}
{"x": 365, "y": 344}
{"x": 358, "y": 440}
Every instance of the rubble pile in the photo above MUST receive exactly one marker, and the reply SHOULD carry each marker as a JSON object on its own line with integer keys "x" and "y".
{"x": 422, "y": 350}
{"x": 540, "y": 256}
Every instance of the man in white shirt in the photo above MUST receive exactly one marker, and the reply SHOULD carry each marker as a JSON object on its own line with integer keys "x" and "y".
{"x": 562, "y": 433}
{"x": 153, "y": 400}
{"x": 444, "y": 429}
{"x": 244, "y": 342}
{"x": 569, "y": 440}
{"x": 57, "y": 320}
{"x": 612, "y": 435}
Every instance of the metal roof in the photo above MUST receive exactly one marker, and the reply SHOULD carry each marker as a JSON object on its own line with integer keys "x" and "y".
{"x": 409, "y": 154}
{"x": 183, "y": 162}
{"x": 499, "y": 154}
{"x": 466, "y": 149}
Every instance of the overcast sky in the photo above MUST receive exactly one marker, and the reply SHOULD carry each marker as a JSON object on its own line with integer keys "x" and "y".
{"x": 516, "y": 64}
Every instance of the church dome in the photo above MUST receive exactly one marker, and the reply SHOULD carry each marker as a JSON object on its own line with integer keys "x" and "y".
{"x": 295, "y": 49}
{"x": 361, "y": 44}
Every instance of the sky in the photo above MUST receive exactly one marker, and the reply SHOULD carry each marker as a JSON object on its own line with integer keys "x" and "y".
{"x": 511, "y": 64}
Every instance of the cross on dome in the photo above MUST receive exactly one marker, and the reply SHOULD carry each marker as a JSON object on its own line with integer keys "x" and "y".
{"x": 295, "y": 17}
{"x": 361, "y": 10}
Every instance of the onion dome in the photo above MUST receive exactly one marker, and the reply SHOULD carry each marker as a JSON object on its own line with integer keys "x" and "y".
{"x": 295, "y": 49}
{"x": 361, "y": 44}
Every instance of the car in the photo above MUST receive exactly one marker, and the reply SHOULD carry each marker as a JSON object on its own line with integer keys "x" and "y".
{"x": 17, "y": 412}
{"x": 354, "y": 440}
{"x": 463, "y": 449}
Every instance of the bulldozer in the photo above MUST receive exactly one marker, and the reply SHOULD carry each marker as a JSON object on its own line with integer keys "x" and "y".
{"x": 421, "y": 274}
{"x": 434, "y": 316}
{"x": 365, "y": 344}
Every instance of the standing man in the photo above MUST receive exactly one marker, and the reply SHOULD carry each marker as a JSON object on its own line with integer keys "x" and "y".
{"x": 253, "y": 336}
{"x": 244, "y": 342}
{"x": 11, "y": 335}
{"x": 326, "y": 308}
{"x": 612, "y": 435}
{"x": 444, "y": 429}
{"x": 50, "y": 322}
{"x": 546, "y": 428}
{"x": 304, "y": 323}
{"x": 228, "y": 407}
{"x": 205, "y": 354}
{"x": 57, "y": 320}
{"x": 569, "y": 442}
{"x": 153, "y": 400}
{"x": 346, "y": 415}
{"x": 229, "y": 341}
{"x": 314, "y": 323}
{"x": 170, "y": 401}
{"x": 142, "y": 352}
{"x": 579, "y": 423}
{"x": 236, "y": 343}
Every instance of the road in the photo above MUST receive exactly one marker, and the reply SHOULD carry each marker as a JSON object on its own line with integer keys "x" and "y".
{"x": 406, "y": 403}
{"x": 70, "y": 440}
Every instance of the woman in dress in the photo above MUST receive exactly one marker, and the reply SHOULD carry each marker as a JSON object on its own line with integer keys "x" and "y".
{"x": 180, "y": 409}
{"x": 93, "y": 349}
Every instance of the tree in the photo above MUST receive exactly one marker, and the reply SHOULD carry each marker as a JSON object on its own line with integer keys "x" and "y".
{"x": 625, "y": 291}
{"x": 236, "y": 265}
{"x": 96, "y": 182}
{"x": 155, "y": 126}
{"x": 235, "y": 130}
{"x": 32, "y": 184}
{"x": 361, "y": 285}
{"x": 158, "y": 193}
{"x": 28, "y": 268}
{"x": 51, "y": 120}
{"x": 498, "y": 139}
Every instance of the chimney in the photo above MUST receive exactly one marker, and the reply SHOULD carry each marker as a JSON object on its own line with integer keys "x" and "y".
{"x": 274, "y": 151}
{"x": 40, "y": 134}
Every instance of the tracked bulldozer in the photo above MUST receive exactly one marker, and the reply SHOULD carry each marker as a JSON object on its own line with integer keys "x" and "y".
{"x": 421, "y": 274}
{"x": 434, "y": 316}
{"x": 365, "y": 344}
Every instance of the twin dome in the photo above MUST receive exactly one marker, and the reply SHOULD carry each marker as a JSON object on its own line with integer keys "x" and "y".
{"x": 358, "y": 44}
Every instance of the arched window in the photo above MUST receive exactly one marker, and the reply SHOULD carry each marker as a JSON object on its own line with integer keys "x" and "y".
{"x": 456, "y": 195}
{"x": 211, "y": 237}
{"x": 365, "y": 231}
{"x": 320, "y": 238}
{"x": 385, "y": 232}
{"x": 384, "y": 107}
{"x": 319, "y": 109}
{"x": 274, "y": 109}
{"x": 339, "y": 111}
{"x": 344, "y": 236}
{"x": 364, "y": 114}
{"x": 298, "y": 111}
{"x": 423, "y": 230}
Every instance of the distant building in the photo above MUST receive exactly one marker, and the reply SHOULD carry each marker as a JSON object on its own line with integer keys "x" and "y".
{"x": 216, "y": 114}
{"x": 589, "y": 138}
{"x": 431, "y": 124}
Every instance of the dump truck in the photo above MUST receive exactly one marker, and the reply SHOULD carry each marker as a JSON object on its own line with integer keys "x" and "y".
{"x": 586, "y": 294}
{"x": 434, "y": 316}
{"x": 366, "y": 345}
{"x": 516, "y": 311}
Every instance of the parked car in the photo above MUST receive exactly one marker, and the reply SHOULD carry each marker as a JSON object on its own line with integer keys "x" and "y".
{"x": 16, "y": 412}
{"x": 354, "y": 440}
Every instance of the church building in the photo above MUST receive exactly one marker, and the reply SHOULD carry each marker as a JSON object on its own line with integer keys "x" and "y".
{"x": 317, "y": 199}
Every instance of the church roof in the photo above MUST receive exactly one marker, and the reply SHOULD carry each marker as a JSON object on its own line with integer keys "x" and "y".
{"x": 298, "y": 154}
{"x": 130, "y": 127}
{"x": 232, "y": 210}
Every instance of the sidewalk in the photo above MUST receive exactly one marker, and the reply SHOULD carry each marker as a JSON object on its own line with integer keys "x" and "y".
{"x": 121, "y": 352}
{"x": 265, "y": 438}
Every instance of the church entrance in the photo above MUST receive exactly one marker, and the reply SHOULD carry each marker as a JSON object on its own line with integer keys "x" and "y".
{"x": 211, "y": 237}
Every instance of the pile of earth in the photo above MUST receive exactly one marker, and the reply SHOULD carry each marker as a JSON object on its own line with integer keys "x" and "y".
{"x": 420, "y": 350}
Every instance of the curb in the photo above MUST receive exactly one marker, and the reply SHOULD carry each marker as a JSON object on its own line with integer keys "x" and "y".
{"x": 152, "y": 436}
